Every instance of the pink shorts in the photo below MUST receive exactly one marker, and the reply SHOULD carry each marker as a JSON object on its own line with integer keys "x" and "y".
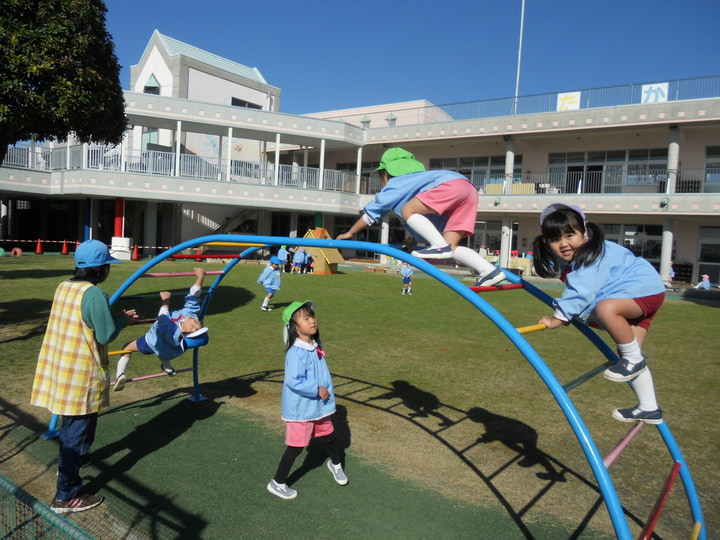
{"x": 298, "y": 434}
{"x": 458, "y": 199}
{"x": 649, "y": 306}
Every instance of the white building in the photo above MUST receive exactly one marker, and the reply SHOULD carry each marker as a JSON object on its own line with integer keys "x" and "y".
{"x": 209, "y": 151}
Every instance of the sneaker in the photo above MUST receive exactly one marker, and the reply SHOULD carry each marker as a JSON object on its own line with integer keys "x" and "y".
{"x": 338, "y": 473}
{"x": 120, "y": 383}
{"x": 266, "y": 308}
{"x": 493, "y": 278}
{"x": 636, "y": 414}
{"x": 167, "y": 368}
{"x": 281, "y": 490}
{"x": 78, "y": 504}
{"x": 445, "y": 252}
{"x": 624, "y": 371}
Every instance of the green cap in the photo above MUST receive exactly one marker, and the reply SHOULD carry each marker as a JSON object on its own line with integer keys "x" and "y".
{"x": 398, "y": 162}
{"x": 289, "y": 311}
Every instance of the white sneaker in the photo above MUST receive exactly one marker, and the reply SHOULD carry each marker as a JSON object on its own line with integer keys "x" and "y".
{"x": 281, "y": 490}
{"x": 338, "y": 473}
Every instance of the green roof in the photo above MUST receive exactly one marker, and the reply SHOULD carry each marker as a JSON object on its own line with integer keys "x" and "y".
{"x": 178, "y": 48}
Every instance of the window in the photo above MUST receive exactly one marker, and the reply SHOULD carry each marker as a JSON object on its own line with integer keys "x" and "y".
{"x": 237, "y": 102}
{"x": 481, "y": 170}
{"x": 643, "y": 240}
{"x": 712, "y": 169}
{"x": 709, "y": 258}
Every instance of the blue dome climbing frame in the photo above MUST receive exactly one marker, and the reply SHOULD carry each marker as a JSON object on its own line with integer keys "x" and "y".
{"x": 598, "y": 464}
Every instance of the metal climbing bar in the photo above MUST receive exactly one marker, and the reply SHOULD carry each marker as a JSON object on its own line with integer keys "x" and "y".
{"x": 491, "y": 288}
{"x": 178, "y": 274}
{"x": 659, "y": 504}
{"x": 559, "y": 393}
{"x": 587, "y": 376}
{"x": 615, "y": 452}
{"x": 531, "y": 328}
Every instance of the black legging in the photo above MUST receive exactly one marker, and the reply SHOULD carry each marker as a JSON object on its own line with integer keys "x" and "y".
{"x": 292, "y": 452}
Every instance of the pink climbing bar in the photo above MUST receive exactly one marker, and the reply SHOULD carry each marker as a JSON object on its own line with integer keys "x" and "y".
{"x": 613, "y": 455}
{"x": 176, "y": 274}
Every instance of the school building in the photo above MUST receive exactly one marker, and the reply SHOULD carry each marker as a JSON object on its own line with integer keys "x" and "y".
{"x": 209, "y": 151}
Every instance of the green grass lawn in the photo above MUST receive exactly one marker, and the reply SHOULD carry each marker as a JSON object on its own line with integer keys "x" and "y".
{"x": 438, "y": 409}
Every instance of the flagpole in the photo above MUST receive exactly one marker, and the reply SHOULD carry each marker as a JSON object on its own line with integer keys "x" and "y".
{"x": 519, "y": 61}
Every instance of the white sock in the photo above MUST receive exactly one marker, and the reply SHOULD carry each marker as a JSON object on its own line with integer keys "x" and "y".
{"x": 266, "y": 302}
{"x": 645, "y": 391}
{"x": 122, "y": 364}
{"x": 424, "y": 227}
{"x": 472, "y": 259}
{"x": 630, "y": 351}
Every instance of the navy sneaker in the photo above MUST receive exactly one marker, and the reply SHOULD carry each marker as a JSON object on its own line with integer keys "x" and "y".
{"x": 120, "y": 383}
{"x": 434, "y": 253}
{"x": 638, "y": 415}
{"x": 624, "y": 371}
{"x": 493, "y": 278}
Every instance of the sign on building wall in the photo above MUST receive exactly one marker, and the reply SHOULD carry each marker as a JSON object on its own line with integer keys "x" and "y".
{"x": 655, "y": 93}
{"x": 568, "y": 101}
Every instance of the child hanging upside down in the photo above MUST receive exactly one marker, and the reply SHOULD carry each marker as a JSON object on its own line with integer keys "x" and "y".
{"x": 171, "y": 335}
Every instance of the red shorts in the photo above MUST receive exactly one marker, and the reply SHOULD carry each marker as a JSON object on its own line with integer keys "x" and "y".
{"x": 458, "y": 199}
{"x": 298, "y": 434}
{"x": 649, "y": 306}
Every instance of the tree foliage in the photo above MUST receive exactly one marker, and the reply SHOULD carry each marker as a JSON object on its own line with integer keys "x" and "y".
{"x": 58, "y": 73}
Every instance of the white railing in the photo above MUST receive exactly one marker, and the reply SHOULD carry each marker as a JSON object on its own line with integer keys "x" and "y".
{"x": 156, "y": 163}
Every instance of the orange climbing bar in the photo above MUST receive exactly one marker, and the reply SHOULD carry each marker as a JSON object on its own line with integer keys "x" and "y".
{"x": 531, "y": 328}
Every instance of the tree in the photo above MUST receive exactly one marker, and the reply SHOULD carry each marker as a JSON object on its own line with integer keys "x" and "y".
{"x": 58, "y": 73}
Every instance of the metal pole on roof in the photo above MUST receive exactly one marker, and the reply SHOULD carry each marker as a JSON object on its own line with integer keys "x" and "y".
{"x": 519, "y": 62}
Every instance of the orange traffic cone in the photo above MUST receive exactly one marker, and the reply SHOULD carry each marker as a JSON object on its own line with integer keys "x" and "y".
{"x": 38, "y": 248}
{"x": 64, "y": 250}
{"x": 135, "y": 255}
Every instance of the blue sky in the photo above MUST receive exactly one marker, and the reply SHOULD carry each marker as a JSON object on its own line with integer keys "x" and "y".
{"x": 335, "y": 54}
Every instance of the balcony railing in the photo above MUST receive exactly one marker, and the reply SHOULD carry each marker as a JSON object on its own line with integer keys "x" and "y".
{"x": 156, "y": 163}
{"x": 109, "y": 158}
{"x": 588, "y": 98}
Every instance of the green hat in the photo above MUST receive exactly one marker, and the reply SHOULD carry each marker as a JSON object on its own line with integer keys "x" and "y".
{"x": 398, "y": 162}
{"x": 289, "y": 311}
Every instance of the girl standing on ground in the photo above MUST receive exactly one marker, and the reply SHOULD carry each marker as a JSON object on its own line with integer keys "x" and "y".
{"x": 609, "y": 283}
{"x": 308, "y": 399}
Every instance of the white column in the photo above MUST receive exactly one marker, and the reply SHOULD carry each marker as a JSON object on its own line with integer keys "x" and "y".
{"x": 666, "y": 249}
{"x": 509, "y": 164}
{"x": 358, "y": 171}
{"x": 505, "y": 241}
{"x": 178, "y": 134}
{"x": 276, "y": 173}
{"x": 229, "y": 153}
{"x": 672, "y": 163}
{"x": 322, "y": 165}
{"x": 384, "y": 236}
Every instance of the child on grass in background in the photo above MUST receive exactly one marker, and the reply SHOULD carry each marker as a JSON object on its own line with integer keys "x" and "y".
{"x": 171, "y": 334}
{"x": 270, "y": 279}
{"x": 414, "y": 194}
{"x": 406, "y": 272}
{"x": 604, "y": 280}
{"x": 308, "y": 399}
